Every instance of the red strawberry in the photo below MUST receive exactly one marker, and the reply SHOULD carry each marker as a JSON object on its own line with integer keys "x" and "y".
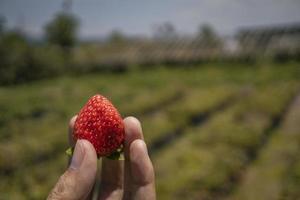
{"x": 100, "y": 123}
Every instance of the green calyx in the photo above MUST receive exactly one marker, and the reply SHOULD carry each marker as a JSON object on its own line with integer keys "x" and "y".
{"x": 117, "y": 155}
{"x": 69, "y": 151}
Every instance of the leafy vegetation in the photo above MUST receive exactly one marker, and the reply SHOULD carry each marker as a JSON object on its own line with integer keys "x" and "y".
{"x": 278, "y": 164}
{"x": 210, "y": 158}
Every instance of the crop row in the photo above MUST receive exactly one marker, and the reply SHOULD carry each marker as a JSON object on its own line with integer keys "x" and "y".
{"x": 63, "y": 99}
{"x": 33, "y": 124}
{"x": 33, "y": 140}
{"x": 206, "y": 161}
{"x": 179, "y": 114}
{"x": 275, "y": 173}
{"x": 36, "y": 158}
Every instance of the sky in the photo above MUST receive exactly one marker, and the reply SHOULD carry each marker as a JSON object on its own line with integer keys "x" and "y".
{"x": 139, "y": 17}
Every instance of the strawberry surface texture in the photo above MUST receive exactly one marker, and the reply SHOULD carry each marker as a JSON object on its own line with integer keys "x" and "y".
{"x": 100, "y": 123}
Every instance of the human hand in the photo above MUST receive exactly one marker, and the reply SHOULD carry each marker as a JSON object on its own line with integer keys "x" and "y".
{"x": 130, "y": 179}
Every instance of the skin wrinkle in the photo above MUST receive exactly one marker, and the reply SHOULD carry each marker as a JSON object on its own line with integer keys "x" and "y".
{"x": 65, "y": 187}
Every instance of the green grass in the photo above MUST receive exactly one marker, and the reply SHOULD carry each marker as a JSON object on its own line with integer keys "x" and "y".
{"x": 34, "y": 119}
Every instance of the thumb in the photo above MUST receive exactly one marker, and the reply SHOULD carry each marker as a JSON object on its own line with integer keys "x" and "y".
{"x": 77, "y": 182}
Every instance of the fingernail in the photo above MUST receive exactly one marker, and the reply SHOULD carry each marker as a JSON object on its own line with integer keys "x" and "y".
{"x": 78, "y": 155}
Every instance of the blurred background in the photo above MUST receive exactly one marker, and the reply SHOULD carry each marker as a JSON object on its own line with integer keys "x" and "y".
{"x": 215, "y": 83}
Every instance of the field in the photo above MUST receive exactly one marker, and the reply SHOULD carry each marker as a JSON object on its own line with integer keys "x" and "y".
{"x": 214, "y": 131}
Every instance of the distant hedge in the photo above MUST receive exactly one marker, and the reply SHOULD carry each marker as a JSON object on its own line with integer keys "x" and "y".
{"x": 21, "y": 61}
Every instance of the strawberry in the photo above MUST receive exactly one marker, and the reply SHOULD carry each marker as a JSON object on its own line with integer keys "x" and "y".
{"x": 100, "y": 123}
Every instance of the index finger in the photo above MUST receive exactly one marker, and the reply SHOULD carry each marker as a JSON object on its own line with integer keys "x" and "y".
{"x": 139, "y": 173}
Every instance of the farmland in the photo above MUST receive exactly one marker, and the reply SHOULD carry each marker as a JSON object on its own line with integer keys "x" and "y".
{"x": 213, "y": 130}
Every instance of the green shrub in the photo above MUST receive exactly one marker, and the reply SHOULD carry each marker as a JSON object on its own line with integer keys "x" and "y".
{"x": 23, "y": 62}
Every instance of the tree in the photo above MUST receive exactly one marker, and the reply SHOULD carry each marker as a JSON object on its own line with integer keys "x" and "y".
{"x": 2, "y": 24}
{"x": 117, "y": 37}
{"x": 208, "y": 37}
{"x": 165, "y": 32}
{"x": 62, "y": 30}
{"x": 14, "y": 50}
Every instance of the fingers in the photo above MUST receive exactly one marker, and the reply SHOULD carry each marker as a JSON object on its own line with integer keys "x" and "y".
{"x": 78, "y": 180}
{"x": 141, "y": 166}
{"x": 112, "y": 174}
{"x": 111, "y": 185}
{"x": 133, "y": 131}
{"x": 139, "y": 173}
